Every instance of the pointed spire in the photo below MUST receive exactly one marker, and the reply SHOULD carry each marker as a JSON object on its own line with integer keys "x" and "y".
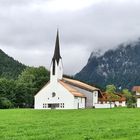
{"x": 56, "y": 55}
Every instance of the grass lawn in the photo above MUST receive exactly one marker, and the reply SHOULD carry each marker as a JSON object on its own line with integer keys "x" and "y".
{"x": 88, "y": 124}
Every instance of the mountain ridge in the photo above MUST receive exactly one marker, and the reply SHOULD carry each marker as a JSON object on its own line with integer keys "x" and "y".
{"x": 120, "y": 66}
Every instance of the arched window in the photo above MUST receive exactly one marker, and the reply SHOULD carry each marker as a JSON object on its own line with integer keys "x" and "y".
{"x": 53, "y": 94}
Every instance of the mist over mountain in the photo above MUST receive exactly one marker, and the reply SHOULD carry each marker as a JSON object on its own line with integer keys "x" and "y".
{"x": 120, "y": 67}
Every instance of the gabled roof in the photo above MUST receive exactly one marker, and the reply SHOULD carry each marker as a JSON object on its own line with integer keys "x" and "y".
{"x": 136, "y": 88}
{"x": 107, "y": 97}
{"x": 80, "y": 84}
{"x": 73, "y": 91}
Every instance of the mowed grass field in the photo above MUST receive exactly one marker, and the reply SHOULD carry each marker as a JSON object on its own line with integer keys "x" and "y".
{"x": 88, "y": 124}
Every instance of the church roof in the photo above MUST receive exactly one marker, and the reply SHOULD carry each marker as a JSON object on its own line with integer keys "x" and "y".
{"x": 57, "y": 55}
{"x": 80, "y": 84}
{"x": 136, "y": 88}
{"x": 73, "y": 91}
{"x": 116, "y": 97}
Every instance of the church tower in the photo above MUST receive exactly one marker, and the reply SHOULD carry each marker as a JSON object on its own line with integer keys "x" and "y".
{"x": 56, "y": 72}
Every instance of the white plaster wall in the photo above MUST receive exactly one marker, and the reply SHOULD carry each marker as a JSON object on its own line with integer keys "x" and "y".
{"x": 95, "y": 97}
{"x": 53, "y": 78}
{"x": 75, "y": 102}
{"x": 88, "y": 94}
{"x": 60, "y": 70}
{"x": 79, "y": 102}
{"x": 137, "y": 93}
{"x": 123, "y": 103}
{"x": 138, "y": 102}
{"x": 117, "y": 103}
{"x": 104, "y": 105}
{"x": 45, "y": 96}
{"x": 83, "y": 102}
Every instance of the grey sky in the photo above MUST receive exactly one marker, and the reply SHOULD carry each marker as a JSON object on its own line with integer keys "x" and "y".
{"x": 28, "y": 29}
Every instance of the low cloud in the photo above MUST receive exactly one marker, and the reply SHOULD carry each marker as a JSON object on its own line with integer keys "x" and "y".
{"x": 28, "y": 29}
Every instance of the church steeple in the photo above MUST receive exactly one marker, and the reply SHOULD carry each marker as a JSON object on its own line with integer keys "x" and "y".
{"x": 57, "y": 55}
{"x": 56, "y": 65}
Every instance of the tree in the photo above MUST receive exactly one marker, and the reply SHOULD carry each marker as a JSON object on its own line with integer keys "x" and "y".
{"x": 7, "y": 89}
{"x": 28, "y": 84}
{"x": 111, "y": 89}
{"x": 131, "y": 102}
{"x": 126, "y": 93}
{"x": 35, "y": 77}
{"x": 130, "y": 99}
{"x": 5, "y": 103}
{"x": 23, "y": 95}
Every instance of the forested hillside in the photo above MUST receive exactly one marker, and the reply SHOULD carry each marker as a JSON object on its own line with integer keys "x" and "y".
{"x": 120, "y": 66}
{"x": 9, "y": 68}
{"x": 19, "y": 83}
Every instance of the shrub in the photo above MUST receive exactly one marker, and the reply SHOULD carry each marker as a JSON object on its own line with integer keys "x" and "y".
{"x": 5, "y": 103}
{"x": 131, "y": 102}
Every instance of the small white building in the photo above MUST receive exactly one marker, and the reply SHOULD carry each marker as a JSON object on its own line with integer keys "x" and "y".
{"x": 65, "y": 93}
{"x": 136, "y": 89}
{"x": 117, "y": 101}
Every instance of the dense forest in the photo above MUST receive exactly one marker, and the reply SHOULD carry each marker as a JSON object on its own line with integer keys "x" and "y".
{"x": 9, "y": 68}
{"x": 20, "y": 92}
{"x": 19, "y": 83}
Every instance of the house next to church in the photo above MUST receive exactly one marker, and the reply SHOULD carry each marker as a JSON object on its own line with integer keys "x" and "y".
{"x": 136, "y": 90}
{"x": 65, "y": 93}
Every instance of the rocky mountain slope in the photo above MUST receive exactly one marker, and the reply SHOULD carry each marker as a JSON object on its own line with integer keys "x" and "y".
{"x": 120, "y": 66}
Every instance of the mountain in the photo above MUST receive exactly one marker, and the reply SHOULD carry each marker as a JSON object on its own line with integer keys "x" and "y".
{"x": 120, "y": 67}
{"x": 9, "y": 68}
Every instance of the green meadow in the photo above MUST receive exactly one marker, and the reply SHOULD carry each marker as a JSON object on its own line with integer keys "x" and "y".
{"x": 88, "y": 124}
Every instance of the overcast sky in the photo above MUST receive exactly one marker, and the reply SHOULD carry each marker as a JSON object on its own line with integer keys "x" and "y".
{"x": 28, "y": 29}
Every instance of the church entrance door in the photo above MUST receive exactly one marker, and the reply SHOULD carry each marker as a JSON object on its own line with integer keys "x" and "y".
{"x": 53, "y": 106}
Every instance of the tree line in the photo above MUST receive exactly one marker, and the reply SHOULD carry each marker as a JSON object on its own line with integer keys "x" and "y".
{"x": 20, "y": 92}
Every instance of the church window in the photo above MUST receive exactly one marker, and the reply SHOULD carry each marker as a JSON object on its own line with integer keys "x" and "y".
{"x": 45, "y": 105}
{"x": 95, "y": 94}
{"x": 53, "y": 67}
{"x": 61, "y": 105}
{"x": 53, "y": 94}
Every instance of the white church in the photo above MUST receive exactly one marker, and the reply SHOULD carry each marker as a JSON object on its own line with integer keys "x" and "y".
{"x": 65, "y": 93}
